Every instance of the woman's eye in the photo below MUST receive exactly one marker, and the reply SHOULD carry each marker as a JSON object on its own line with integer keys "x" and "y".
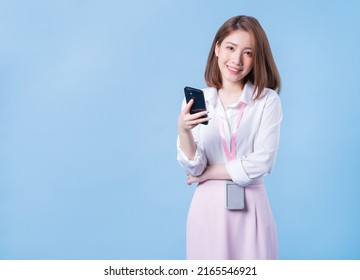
{"x": 248, "y": 53}
{"x": 230, "y": 48}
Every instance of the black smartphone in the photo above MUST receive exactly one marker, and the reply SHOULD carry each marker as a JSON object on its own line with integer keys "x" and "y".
{"x": 199, "y": 100}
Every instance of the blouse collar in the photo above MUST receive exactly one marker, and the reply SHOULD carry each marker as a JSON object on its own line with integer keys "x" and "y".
{"x": 246, "y": 96}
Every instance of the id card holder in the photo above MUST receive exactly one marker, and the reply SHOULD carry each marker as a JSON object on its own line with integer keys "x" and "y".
{"x": 235, "y": 196}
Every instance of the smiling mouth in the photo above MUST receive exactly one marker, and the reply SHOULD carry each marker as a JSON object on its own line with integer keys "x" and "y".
{"x": 233, "y": 70}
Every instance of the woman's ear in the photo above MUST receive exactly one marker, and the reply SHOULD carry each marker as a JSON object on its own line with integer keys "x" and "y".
{"x": 217, "y": 47}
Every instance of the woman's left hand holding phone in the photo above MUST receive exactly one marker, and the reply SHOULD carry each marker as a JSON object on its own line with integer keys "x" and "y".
{"x": 186, "y": 122}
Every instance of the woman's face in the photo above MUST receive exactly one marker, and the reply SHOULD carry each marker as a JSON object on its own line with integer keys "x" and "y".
{"x": 235, "y": 56}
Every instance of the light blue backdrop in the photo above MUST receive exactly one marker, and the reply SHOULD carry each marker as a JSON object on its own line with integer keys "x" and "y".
{"x": 90, "y": 92}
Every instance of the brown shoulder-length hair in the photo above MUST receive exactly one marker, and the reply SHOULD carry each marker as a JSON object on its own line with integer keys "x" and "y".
{"x": 264, "y": 72}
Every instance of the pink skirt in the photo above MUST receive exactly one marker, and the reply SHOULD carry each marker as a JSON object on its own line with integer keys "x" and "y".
{"x": 214, "y": 232}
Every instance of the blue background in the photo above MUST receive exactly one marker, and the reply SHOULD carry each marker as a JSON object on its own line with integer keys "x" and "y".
{"x": 90, "y": 93}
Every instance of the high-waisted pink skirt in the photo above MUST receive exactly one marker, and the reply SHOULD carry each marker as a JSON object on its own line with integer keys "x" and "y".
{"x": 214, "y": 232}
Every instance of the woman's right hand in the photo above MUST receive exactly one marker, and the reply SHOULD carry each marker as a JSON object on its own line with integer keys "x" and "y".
{"x": 188, "y": 121}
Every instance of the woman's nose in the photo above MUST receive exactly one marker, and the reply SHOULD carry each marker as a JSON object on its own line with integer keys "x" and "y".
{"x": 237, "y": 59}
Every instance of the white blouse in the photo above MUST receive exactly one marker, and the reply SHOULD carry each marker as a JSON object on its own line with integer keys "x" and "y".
{"x": 257, "y": 137}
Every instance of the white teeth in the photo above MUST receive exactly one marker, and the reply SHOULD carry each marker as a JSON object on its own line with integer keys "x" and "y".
{"x": 233, "y": 69}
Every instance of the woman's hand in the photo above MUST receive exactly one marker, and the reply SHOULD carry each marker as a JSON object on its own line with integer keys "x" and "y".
{"x": 191, "y": 179}
{"x": 212, "y": 172}
{"x": 187, "y": 121}
{"x": 202, "y": 178}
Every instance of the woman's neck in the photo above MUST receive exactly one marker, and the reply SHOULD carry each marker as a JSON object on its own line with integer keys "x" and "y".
{"x": 230, "y": 93}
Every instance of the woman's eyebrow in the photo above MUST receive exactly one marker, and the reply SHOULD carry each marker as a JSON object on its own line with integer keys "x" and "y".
{"x": 231, "y": 43}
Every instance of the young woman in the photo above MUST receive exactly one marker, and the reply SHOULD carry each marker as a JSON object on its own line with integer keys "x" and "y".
{"x": 238, "y": 145}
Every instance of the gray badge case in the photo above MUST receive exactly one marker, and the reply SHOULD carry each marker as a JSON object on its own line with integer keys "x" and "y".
{"x": 235, "y": 196}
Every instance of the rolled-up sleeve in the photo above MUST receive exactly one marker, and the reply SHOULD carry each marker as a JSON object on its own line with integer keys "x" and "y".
{"x": 193, "y": 167}
{"x": 260, "y": 161}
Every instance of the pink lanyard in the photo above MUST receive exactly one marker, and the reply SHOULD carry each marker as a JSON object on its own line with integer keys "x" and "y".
{"x": 231, "y": 155}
